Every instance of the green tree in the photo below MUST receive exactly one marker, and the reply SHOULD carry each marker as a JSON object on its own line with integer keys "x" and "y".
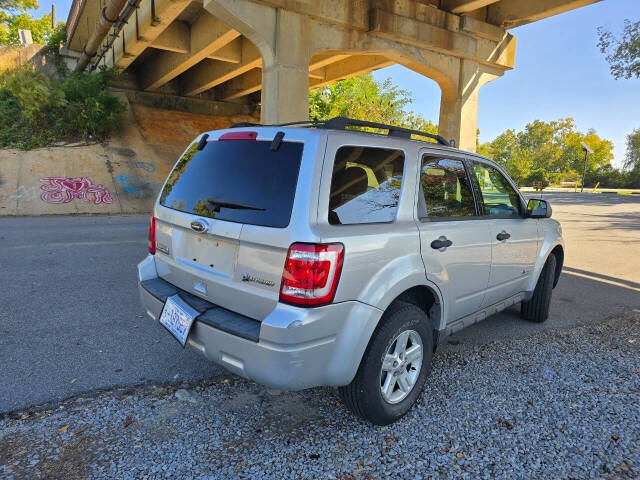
{"x": 539, "y": 175}
{"x": 554, "y": 147}
{"x": 506, "y": 151}
{"x": 17, "y": 6}
{"x": 57, "y": 37}
{"x": 623, "y": 52}
{"x": 364, "y": 98}
{"x": 632, "y": 158}
{"x": 40, "y": 28}
{"x": 14, "y": 17}
{"x": 360, "y": 97}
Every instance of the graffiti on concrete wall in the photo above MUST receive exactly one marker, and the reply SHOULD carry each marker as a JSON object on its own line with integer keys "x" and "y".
{"x": 66, "y": 189}
{"x": 21, "y": 193}
{"x": 137, "y": 186}
{"x": 148, "y": 166}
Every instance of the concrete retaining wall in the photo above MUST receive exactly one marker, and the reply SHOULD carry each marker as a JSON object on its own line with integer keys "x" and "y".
{"x": 121, "y": 176}
{"x": 14, "y": 57}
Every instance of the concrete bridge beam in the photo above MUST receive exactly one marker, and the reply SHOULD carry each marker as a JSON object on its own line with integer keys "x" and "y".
{"x": 175, "y": 38}
{"x": 209, "y": 74}
{"x": 350, "y": 67}
{"x": 143, "y": 31}
{"x": 465, "y": 6}
{"x": 513, "y": 13}
{"x": 207, "y": 34}
{"x": 231, "y": 53}
{"x": 229, "y": 49}
{"x": 459, "y": 57}
{"x": 320, "y": 74}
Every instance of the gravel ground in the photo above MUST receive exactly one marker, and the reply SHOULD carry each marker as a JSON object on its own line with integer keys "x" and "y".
{"x": 562, "y": 404}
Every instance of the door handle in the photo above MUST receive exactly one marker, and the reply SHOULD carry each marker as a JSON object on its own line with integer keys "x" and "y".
{"x": 503, "y": 236}
{"x": 441, "y": 242}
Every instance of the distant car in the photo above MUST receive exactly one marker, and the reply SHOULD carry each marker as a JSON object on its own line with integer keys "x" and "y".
{"x": 301, "y": 257}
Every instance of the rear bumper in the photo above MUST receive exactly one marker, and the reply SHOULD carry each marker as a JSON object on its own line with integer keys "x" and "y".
{"x": 296, "y": 348}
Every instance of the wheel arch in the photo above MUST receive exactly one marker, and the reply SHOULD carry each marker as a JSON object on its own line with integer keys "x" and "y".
{"x": 558, "y": 251}
{"x": 417, "y": 290}
{"x": 557, "y": 248}
{"x": 427, "y": 300}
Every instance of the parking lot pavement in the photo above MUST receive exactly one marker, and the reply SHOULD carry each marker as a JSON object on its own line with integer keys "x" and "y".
{"x": 601, "y": 274}
{"x": 71, "y": 323}
{"x": 70, "y": 318}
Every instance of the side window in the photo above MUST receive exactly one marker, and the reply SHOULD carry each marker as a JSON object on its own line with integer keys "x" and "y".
{"x": 446, "y": 188}
{"x": 365, "y": 185}
{"x": 498, "y": 196}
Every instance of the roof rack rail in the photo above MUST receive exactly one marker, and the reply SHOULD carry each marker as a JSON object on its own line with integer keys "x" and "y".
{"x": 342, "y": 123}
{"x": 289, "y": 124}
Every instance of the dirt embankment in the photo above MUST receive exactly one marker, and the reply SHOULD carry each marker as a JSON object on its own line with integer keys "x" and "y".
{"x": 123, "y": 175}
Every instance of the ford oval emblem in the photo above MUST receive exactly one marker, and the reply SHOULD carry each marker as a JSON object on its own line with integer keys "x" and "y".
{"x": 199, "y": 226}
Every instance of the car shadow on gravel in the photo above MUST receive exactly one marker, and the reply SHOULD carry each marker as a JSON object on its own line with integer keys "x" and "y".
{"x": 580, "y": 298}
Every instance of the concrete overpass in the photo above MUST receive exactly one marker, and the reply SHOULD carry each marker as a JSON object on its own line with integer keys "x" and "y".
{"x": 271, "y": 52}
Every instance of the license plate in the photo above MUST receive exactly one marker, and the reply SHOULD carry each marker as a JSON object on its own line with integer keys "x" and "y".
{"x": 177, "y": 317}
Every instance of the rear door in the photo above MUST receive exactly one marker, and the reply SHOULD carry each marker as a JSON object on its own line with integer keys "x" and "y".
{"x": 455, "y": 246}
{"x": 209, "y": 199}
{"x": 514, "y": 237}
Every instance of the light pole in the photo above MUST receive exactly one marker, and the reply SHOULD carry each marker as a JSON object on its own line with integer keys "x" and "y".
{"x": 587, "y": 151}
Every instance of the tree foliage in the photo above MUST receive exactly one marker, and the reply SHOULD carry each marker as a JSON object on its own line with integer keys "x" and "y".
{"x": 40, "y": 28}
{"x": 632, "y": 159}
{"x": 14, "y": 17}
{"x": 554, "y": 147}
{"x": 58, "y": 36}
{"x": 38, "y": 110}
{"x": 548, "y": 152}
{"x": 364, "y": 98}
{"x": 16, "y": 6}
{"x": 623, "y": 52}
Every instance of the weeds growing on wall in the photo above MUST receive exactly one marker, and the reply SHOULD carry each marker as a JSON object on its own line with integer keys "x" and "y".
{"x": 37, "y": 110}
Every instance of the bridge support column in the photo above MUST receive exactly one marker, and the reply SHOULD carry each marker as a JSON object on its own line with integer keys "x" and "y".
{"x": 285, "y": 43}
{"x": 459, "y": 106}
{"x": 285, "y": 76}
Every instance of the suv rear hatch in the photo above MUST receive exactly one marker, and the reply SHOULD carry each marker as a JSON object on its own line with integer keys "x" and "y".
{"x": 213, "y": 194}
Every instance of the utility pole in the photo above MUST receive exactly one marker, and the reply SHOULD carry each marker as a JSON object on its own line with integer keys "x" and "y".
{"x": 587, "y": 151}
{"x": 53, "y": 16}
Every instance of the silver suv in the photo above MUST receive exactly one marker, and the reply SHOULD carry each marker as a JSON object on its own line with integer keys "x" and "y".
{"x": 320, "y": 255}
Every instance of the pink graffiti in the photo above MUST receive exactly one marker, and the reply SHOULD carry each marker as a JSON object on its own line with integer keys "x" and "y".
{"x": 65, "y": 189}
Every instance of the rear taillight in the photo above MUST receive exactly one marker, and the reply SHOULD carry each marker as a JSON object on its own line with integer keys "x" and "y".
{"x": 152, "y": 235}
{"x": 311, "y": 274}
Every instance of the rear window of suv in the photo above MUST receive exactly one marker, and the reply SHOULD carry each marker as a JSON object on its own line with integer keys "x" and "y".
{"x": 239, "y": 181}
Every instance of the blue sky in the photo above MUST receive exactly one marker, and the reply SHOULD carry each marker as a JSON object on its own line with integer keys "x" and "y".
{"x": 559, "y": 73}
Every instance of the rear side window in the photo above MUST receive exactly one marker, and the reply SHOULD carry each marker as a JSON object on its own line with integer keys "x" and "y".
{"x": 365, "y": 185}
{"x": 239, "y": 181}
{"x": 446, "y": 189}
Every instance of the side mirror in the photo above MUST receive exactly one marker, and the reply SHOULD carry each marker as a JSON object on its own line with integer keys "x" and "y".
{"x": 537, "y": 208}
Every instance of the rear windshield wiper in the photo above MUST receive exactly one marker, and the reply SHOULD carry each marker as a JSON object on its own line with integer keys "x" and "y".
{"x": 218, "y": 204}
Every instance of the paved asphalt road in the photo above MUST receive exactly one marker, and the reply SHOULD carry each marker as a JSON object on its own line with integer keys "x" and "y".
{"x": 70, "y": 320}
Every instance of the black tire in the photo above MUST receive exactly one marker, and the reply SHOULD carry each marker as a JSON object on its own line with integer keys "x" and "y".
{"x": 363, "y": 395}
{"x": 537, "y": 309}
